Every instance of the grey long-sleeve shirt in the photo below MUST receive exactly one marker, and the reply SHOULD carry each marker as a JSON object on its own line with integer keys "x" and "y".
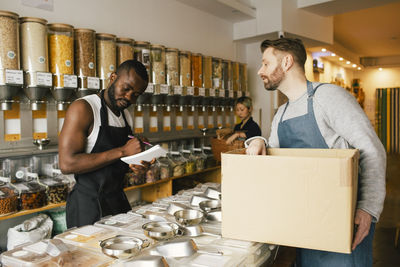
{"x": 343, "y": 124}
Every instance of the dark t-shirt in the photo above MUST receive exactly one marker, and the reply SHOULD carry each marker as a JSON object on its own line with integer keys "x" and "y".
{"x": 250, "y": 128}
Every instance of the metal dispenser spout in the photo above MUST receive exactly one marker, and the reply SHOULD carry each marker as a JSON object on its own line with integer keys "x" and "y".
{"x": 11, "y": 82}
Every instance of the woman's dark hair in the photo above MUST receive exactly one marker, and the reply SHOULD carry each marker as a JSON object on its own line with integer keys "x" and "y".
{"x": 139, "y": 68}
{"x": 291, "y": 45}
{"x": 245, "y": 101}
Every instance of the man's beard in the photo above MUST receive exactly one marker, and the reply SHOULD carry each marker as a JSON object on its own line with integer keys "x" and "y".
{"x": 113, "y": 101}
{"x": 275, "y": 79}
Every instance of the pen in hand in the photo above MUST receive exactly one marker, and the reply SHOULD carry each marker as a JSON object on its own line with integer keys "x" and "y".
{"x": 144, "y": 142}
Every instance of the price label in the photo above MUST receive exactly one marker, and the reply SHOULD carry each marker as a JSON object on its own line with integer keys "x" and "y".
{"x": 149, "y": 89}
{"x": 202, "y": 91}
{"x": 164, "y": 89}
{"x": 70, "y": 81}
{"x": 231, "y": 94}
{"x": 212, "y": 92}
{"x": 93, "y": 83}
{"x": 178, "y": 90}
{"x": 44, "y": 79}
{"x": 14, "y": 77}
{"x": 221, "y": 93}
{"x": 190, "y": 91}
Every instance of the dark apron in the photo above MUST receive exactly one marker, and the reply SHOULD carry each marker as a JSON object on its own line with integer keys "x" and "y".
{"x": 100, "y": 193}
{"x": 303, "y": 132}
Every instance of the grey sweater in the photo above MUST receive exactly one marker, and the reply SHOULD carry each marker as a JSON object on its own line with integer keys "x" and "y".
{"x": 343, "y": 124}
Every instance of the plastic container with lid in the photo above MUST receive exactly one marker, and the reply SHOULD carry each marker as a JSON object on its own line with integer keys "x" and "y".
{"x": 177, "y": 163}
{"x": 106, "y": 57}
{"x": 200, "y": 159}
{"x": 85, "y": 52}
{"x": 8, "y": 198}
{"x": 32, "y": 195}
{"x": 57, "y": 189}
{"x": 235, "y": 76}
{"x": 124, "y": 50}
{"x": 165, "y": 167}
{"x": 9, "y": 41}
{"x": 142, "y": 54}
{"x": 185, "y": 68}
{"x": 157, "y": 53}
{"x": 207, "y": 72}
{"x": 197, "y": 70}
{"x": 190, "y": 164}
{"x": 61, "y": 51}
{"x": 172, "y": 66}
{"x": 217, "y": 72}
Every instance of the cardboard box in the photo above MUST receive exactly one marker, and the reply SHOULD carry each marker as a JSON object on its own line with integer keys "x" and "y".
{"x": 295, "y": 197}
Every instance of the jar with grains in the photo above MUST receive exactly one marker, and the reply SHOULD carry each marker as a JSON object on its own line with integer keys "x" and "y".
{"x": 165, "y": 167}
{"x": 190, "y": 161}
{"x": 243, "y": 76}
{"x": 8, "y": 199}
{"x": 57, "y": 190}
{"x": 177, "y": 163}
{"x": 124, "y": 50}
{"x": 32, "y": 195}
{"x": 172, "y": 66}
{"x": 185, "y": 68}
{"x": 207, "y": 71}
{"x": 106, "y": 55}
{"x": 157, "y": 53}
{"x": 226, "y": 74}
{"x": 34, "y": 53}
{"x": 85, "y": 52}
{"x": 217, "y": 72}
{"x": 61, "y": 55}
{"x": 153, "y": 173}
{"x": 142, "y": 54}
{"x": 235, "y": 76}
{"x": 200, "y": 159}
{"x": 197, "y": 70}
{"x": 9, "y": 40}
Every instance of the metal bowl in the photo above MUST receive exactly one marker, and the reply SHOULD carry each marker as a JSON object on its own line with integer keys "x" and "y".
{"x": 161, "y": 230}
{"x": 212, "y": 193}
{"x": 188, "y": 217}
{"x": 214, "y": 216}
{"x": 121, "y": 246}
{"x": 210, "y": 205}
{"x": 41, "y": 143}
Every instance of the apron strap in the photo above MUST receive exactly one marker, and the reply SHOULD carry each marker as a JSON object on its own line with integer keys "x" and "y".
{"x": 311, "y": 92}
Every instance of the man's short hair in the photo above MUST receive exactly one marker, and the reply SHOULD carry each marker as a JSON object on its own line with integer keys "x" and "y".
{"x": 293, "y": 46}
{"x": 139, "y": 68}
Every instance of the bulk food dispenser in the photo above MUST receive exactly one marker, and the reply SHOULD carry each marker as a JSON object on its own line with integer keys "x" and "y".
{"x": 142, "y": 54}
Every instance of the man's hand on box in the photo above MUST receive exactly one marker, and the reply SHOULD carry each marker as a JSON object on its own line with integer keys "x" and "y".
{"x": 256, "y": 147}
{"x": 363, "y": 221}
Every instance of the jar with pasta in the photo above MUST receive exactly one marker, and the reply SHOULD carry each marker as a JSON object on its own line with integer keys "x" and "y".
{"x": 185, "y": 68}
{"x": 124, "y": 50}
{"x": 61, "y": 56}
{"x": 243, "y": 77}
{"x": 157, "y": 53}
{"x": 217, "y": 72}
{"x": 106, "y": 57}
{"x": 172, "y": 66}
{"x": 142, "y": 54}
{"x": 235, "y": 76}
{"x": 207, "y": 72}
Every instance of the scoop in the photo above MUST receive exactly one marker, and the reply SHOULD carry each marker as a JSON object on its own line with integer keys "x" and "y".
{"x": 197, "y": 230}
{"x": 182, "y": 248}
{"x": 147, "y": 261}
{"x": 210, "y": 205}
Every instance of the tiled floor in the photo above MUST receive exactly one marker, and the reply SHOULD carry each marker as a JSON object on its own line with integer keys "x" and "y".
{"x": 385, "y": 254}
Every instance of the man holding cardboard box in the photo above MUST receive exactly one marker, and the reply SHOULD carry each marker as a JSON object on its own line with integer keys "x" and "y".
{"x": 324, "y": 116}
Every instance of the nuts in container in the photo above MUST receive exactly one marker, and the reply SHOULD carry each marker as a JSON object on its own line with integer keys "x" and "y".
{"x": 32, "y": 195}
{"x": 57, "y": 190}
{"x": 8, "y": 199}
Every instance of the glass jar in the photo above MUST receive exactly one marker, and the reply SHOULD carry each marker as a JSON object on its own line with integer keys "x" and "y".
{"x": 61, "y": 52}
{"x": 243, "y": 77}
{"x": 210, "y": 160}
{"x": 185, "y": 68}
{"x": 85, "y": 52}
{"x": 200, "y": 159}
{"x": 8, "y": 198}
{"x": 207, "y": 72}
{"x": 226, "y": 75}
{"x": 235, "y": 76}
{"x": 165, "y": 167}
{"x": 197, "y": 70}
{"x": 142, "y": 54}
{"x": 157, "y": 53}
{"x": 106, "y": 56}
{"x": 32, "y": 195}
{"x": 9, "y": 41}
{"x": 57, "y": 190}
{"x": 190, "y": 164}
{"x": 172, "y": 62}
{"x": 177, "y": 163}
{"x": 217, "y": 73}
{"x": 124, "y": 50}
{"x": 153, "y": 173}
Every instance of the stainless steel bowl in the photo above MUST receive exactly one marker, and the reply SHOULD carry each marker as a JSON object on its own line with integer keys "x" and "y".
{"x": 214, "y": 216}
{"x": 210, "y": 205}
{"x": 188, "y": 217}
{"x": 121, "y": 246}
{"x": 161, "y": 230}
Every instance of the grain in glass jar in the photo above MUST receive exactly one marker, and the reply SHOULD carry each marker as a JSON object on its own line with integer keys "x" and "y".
{"x": 172, "y": 66}
{"x": 197, "y": 70}
{"x": 157, "y": 53}
{"x": 243, "y": 77}
{"x": 106, "y": 56}
{"x": 185, "y": 68}
{"x": 8, "y": 199}
{"x": 124, "y": 50}
{"x": 226, "y": 75}
{"x": 9, "y": 41}
{"x": 57, "y": 190}
{"x": 207, "y": 71}
{"x": 235, "y": 76}
{"x": 61, "y": 52}
{"x": 217, "y": 72}
{"x": 85, "y": 52}
{"x": 142, "y": 54}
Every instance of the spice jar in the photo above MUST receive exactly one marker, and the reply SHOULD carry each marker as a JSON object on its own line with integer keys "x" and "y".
{"x": 235, "y": 76}
{"x": 124, "y": 50}
{"x": 217, "y": 72}
{"x": 106, "y": 56}
{"x": 32, "y": 195}
{"x": 207, "y": 71}
{"x": 57, "y": 190}
{"x": 243, "y": 77}
{"x": 157, "y": 53}
{"x": 142, "y": 54}
{"x": 85, "y": 52}
{"x": 190, "y": 161}
{"x": 226, "y": 74}
{"x": 200, "y": 159}
{"x": 165, "y": 168}
{"x": 177, "y": 163}
{"x": 9, "y": 41}
{"x": 197, "y": 70}
{"x": 8, "y": 198}
{"x": 172, "y": 66}
{"x": 185, "y": 68}
{"x": 61, "y": 55}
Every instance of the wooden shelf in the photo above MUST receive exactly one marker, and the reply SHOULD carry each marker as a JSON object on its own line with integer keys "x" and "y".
{"x": 159, "y": 182}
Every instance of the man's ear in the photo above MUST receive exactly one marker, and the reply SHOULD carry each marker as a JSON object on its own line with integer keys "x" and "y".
{"x": 113, "y": 77}
{"x": 287, "y": 62}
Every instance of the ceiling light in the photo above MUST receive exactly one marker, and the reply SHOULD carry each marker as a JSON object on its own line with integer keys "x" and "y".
{"x": 341, "y": 59}
{"x": 380, "y": 69}
{"x": 347, "y": 62}
{"x": 323, "y": 49}
{"x": 354, "y": 65}
{"x": 333, "y": 54}
{"x": 359, "y": 68}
